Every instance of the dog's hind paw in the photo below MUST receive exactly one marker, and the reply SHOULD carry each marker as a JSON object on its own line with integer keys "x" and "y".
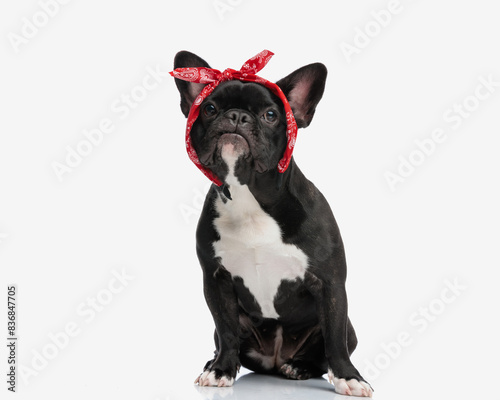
{"x": 291, "y": 371}
{"x": 211, "y": 378}
{"x": 352, "y": 387}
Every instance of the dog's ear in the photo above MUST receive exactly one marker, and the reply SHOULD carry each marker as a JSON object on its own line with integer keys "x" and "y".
{"x": 304, "y": 89}
{"x": 188, "y": 90}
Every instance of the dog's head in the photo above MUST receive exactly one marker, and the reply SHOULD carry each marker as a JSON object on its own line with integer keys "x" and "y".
{"x": 242, "y": 125}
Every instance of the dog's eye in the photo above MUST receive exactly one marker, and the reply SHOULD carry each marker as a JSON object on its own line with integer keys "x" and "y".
{"x": 270, "y": 116}
{"x": 209, "y": 110}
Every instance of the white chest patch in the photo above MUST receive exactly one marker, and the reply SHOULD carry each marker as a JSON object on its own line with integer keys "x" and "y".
{"x": 251, "y": 246}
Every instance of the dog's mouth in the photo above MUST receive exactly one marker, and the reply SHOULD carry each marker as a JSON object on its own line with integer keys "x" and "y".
{"x": 233, "y": 145}
{"x": 228, "y": 147}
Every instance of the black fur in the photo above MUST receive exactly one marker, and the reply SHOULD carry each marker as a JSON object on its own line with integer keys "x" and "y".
{"x": 317, "y": 333}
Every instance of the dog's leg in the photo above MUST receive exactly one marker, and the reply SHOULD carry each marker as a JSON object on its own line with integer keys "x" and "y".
{"x": 352, "y": 340}
{"x": 223, "y": 304}
{"x": 331, "y": 302}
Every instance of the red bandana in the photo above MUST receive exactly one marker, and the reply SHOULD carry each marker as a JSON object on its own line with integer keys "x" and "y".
{"x": 212, "y": 78}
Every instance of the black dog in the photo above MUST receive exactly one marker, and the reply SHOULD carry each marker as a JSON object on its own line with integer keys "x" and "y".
{"x": 272, "y": 256}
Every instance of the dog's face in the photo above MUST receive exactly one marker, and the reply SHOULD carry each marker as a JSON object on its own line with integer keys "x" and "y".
{"x": 244, "y": 122}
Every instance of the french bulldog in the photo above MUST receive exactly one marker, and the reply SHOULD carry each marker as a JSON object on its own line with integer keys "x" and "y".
{"x": 273, "y": 261}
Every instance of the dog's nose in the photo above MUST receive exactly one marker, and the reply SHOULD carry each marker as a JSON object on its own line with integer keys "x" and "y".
{"x": 238, "y": 117}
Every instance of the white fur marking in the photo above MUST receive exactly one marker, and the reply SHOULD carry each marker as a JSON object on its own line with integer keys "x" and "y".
{"x": 269, "y": 362}
{"x": 251, "y": 244}
{"x": 266, "y": 361}
{"x": 352, "y": 387}
{"x": 208, "y": 378}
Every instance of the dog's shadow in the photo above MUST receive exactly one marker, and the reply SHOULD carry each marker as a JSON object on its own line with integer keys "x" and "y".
{"x": 262, "y": 387}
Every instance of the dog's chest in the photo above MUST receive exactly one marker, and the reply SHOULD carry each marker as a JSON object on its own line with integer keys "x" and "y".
{"x": 251, "y": 247}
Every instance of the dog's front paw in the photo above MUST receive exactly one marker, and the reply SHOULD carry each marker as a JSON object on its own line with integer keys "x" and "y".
{"x": 351, "y": 387}
{"x": 215, "y": 377}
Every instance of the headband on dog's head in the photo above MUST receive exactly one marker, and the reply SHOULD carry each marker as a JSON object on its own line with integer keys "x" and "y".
{"x": 212, "y": 77}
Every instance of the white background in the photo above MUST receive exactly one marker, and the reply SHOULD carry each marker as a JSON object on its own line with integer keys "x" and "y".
{"x": 132, "y": 203}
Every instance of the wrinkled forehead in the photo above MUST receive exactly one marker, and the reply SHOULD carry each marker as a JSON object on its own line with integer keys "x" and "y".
{"x": 244, "y": 95}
